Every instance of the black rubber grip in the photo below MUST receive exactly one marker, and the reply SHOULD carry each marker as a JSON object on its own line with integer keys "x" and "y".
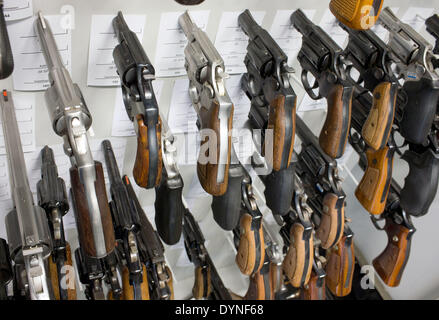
{"x": 420, "y": 110}
{"x": 279, "y": 190}
{"x": 6, "y": 58}
{"x": 169, "y": 210}
{"x": 227, "y": 208}
{"x": 421, "y": 184}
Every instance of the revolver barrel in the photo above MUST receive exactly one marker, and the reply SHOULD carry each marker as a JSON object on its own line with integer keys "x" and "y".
{"x": 249, "y": 24}
{"x": 6, "y": 57}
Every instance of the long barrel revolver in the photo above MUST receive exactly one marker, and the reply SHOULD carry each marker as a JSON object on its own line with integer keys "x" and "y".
{"x": 324, "y": 59}
{"x": 52, "y": 197}
{"x": 206, "y": 72}
{"x": 357, "y": 14}
{"x": 71, "y": 120}
{"x": 273, "y": 100}
{"x": 26, "y": 225}
{"x": 6, "y": 57}
{"x": 137, "y": 73}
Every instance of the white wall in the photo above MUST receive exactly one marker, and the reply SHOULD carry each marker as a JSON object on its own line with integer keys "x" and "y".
{"x": 421, "y": 279}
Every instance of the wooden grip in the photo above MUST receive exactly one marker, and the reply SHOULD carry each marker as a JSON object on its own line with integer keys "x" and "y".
{"x": 282, "y": 120}
{"x": 330, "y": 229}
{"x": 334, "y": 135}
{"x": 357, "y": 14}
{"x": 315, "y": 289}
{"x": 55, "y": 277}
{"x": 170, "y": 282}
{"x": 374, "y": 187}
{"x": 376, "y": 129}
{"x": 83, "y": 216}
{"x": 141, "y": 169}
{"x": 390, "y": 264}
{"x": 260, "y": 288}
{"x": 297, "y": 264}
{"x": 251, "y": 249}
{"x": 207, "y": 172}
{"x": 128, "y": 289}
{"x": 203, "y": 283}
{"x": 340, "y": 268}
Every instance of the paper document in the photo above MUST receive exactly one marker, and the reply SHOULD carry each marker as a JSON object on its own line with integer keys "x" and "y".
{"x": 309, "y": 104}
{"x": 331, "y": 26}
{"x": 416, "y": 16}
{"x": 231, "y": 41}
{"x": 101, "y": 68}
{"x": 17, "y": 9}
{"x": 30, "y": 72}
{"x": 169, "y": 58}
{"x": 182, "y": 117}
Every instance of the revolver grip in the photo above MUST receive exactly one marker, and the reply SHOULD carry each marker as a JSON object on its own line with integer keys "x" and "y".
{"x": 82, "y": 214}
{"x": 203, "y": 283}
{"x": 146, "y": 174}
{"x": 421, "y": 184}
{"x": 357, "y": 14}
{"x": 420, "y": 110}
{"x": 260, "y": 287}
{"x": 279, "y": 190}
{"x": 340, "y": 268}
{"x": 251, "y": 250}
{"x": 170, "y": 282}
{"x": 376, "y": 130}
{"x": 330, "y": 229}
{"x": 374, "y": 187}
{"x": 227, "y": 208}
{"x": 6, "y": 57}
{"x": 128, "y": 288}
{"x": 282, "y": 120}
{"x": 169, "y": 210}
{"x": 390, "y": 264}
{"x": 55, "y": 277}
{"x": 297, "y": 264}
{"x": 334, "y": 135}
{"x": 315, "y": 289}
{"x": 206, "y": 170}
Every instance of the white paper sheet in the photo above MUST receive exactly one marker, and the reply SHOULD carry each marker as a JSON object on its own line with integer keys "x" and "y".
{"x": 101, "y": 68}
{"x": 380, "y": 31}
{"x": 309, "y": 104}
{"x": 188, "y": 148}
{"x": 17, "y": 9}
{"x": 169, "y": 58}
{"x": 231, "y": 42}
{"x": 288, "y": 38}
{"x": 182, "y": 117}
{"x": 416, "y": 16}
{"x": 122, "y": 125}
{"x": 330, "y": 25}
{"x": 30, "y": 73}
{"x": 25, "y": 114}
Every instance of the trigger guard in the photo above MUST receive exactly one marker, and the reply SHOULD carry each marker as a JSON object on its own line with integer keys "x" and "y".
{"x": 127, "y": 102}
{"x": 308, "y": 88}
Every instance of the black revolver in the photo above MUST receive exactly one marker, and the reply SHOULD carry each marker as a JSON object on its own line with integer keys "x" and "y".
{"x": 6, "y": 58}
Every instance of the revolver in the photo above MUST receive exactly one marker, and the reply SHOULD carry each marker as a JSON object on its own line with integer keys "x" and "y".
{"x": 30, "y": 244}
{"x": 432, "y": 25}
{"x": 325, "y": 60}
{"x": 71, "y": 120}
{"x": 205, "y": 69}
{"x": 136, "y": 74}
{"x": 273, "y": 100}
{"x": 52, "y": 197}
{"x": 356, "y": 14}
{"x": 322, "y": 184}
{"x": 208, "y": 283}
{"x": 6, "y": 57}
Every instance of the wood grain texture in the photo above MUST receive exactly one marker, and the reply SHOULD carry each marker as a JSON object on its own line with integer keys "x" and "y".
{"x": 207, "y": 172}
{"x": 203, "y": 283}
{"x": 71, "y": 292}
{"x": 390, "y": 264}
{"x": 315, "y": 289}
{"x": 128, "y": 289}
{"x": 339, "y": 270}
{"x": 257, "y": 288}
{"x": 55, "y": 278}
{"x": 377, "y": 128}
{"x": 141, "y": 169}
{"x": 246, "y": 257}
{"x": 170, "y": 282}
{"x": 374, "y": 187}
{"x": 277, "y": 123}
{"x": 296, "y": 264}
{"x": 82, "y": 214}
{"x": 330, "y": 229}
{"x": 352, "y": 14}
{"x": 334, "y": 136}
